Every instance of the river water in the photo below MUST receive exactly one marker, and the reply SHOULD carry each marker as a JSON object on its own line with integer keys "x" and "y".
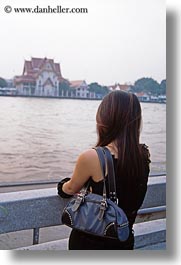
{"x": 40, "y": 138}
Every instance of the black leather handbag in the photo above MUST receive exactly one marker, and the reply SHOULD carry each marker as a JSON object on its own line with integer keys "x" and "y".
{"x": 96, "y": 214}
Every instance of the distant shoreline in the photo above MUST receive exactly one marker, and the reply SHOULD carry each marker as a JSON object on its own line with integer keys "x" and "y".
{"x": 92, "y": 99}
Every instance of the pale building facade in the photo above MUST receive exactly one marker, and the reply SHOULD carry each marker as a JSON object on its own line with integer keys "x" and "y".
{"x": 80, "y": 88}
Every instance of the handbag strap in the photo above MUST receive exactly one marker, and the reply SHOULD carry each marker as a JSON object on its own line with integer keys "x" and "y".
{"x": 107, "y": 164}
{"x": 105, "y": 159}
{"x": 102, "y": 161}
{"x": 111, "y": 175}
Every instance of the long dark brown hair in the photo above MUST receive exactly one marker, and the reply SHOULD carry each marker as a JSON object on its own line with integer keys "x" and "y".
{"x": 119, "y": 121}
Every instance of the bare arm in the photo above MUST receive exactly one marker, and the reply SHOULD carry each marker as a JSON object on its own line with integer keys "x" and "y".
{"x": 85, "y": 168}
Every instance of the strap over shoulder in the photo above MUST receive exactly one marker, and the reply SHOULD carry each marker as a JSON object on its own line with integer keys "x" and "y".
{"x": 111, "y": 175}
{"x": 102, "y": 161}
{"x": 106, "y": 161}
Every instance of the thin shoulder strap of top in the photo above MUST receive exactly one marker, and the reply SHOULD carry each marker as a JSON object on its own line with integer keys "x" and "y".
{"x": 111, "y": 175}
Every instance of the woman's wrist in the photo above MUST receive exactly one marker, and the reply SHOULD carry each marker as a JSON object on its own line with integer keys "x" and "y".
{"x": 61, "y": 193}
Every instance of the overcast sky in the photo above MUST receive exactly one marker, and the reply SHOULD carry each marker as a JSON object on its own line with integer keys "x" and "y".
{"x": 116, "y": 41}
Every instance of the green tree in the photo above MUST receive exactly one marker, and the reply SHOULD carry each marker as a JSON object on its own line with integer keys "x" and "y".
{"x": 99, "y": 90}
{"x": 64, "y": 86}
{"x": 147, "y": 85}
{"x": 163, "y": 87}
{"x": 3, "y": 82}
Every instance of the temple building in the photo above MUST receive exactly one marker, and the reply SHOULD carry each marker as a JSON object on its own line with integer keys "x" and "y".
{"x": 41, "y": 77}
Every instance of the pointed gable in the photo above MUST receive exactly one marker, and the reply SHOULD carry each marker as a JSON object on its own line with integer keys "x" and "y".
{"x": 48, "y": 82}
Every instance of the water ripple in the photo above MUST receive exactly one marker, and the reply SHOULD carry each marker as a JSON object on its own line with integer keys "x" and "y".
{"x": 41, "y": 138}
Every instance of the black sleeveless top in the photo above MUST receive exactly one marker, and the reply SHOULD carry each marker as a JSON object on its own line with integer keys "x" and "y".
{"x": 130, "y": 198}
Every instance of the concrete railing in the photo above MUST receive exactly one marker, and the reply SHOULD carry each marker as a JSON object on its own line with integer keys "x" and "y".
{"x": 35, "y": 209}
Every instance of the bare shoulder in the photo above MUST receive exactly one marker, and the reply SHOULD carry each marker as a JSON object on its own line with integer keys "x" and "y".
{"x": 90, "y": 161}
{"x": 88, "y": 156}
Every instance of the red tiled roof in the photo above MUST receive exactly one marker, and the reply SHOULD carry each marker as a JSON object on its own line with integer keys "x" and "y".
{"x": 36, "y": 64}
{"x": 57, "y": 67}
{"x": 27, "y": 66}
{"x": 24, "y": 78}
{"x": 76, "y": 83}
{"x": 33, "y": 68}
